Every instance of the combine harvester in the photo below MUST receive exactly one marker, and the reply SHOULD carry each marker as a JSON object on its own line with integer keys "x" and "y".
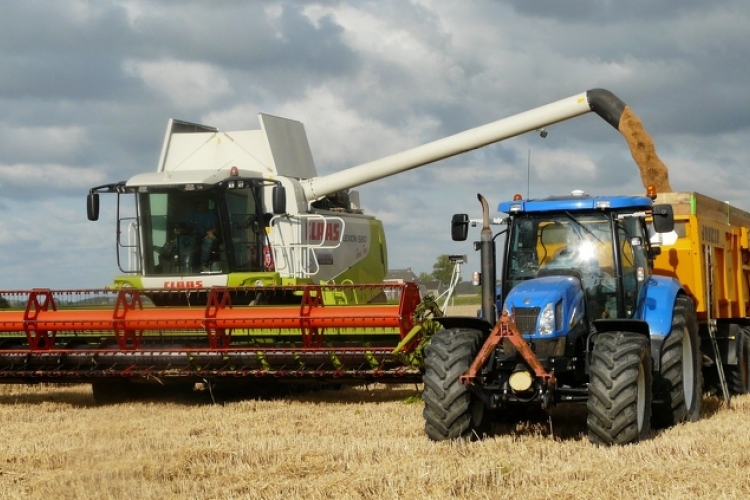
{"x": 241, "y": 265}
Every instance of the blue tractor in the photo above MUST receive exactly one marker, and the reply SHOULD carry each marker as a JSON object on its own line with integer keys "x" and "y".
{"x": 583, "y": 319}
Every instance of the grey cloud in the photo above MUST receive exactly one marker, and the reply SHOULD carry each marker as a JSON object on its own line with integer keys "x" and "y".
{"x": 608, "y": 11}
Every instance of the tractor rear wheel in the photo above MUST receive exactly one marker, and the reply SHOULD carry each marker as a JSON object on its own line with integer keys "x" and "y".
{"x": 619, "y": 402}
{"x": 678, "y": 386}
{"x": 738, "y": 376}
{"x": 451, "y": 411}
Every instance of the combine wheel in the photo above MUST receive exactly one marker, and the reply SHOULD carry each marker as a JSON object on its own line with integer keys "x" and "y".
{"x": 738, "y": 376}
{"x": 619, "y": 402}
{"x": 678, "y": 387}
{"x": 450, "y": 410}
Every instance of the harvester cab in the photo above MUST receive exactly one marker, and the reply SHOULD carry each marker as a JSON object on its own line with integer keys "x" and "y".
{"x": 228, "y": 209}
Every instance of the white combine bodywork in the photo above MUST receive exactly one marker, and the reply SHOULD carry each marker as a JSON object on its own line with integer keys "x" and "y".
{"x": 280, "y": 149}
{"x": 304, "y": 242}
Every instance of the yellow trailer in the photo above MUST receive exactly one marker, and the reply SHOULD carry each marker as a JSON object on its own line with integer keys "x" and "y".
{"x": 709, "y": 254}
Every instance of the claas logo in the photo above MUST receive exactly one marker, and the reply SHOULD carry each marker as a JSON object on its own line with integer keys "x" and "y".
{"x": 183, "y": 284}
{"x": 319, "y": 230}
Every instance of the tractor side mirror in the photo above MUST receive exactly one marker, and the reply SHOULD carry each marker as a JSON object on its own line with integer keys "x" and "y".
{"x": 663, "y": 217}
{"x": 92, "y": 206}
{"x": 279, "y": 200}
{"x": 459, "y": 227}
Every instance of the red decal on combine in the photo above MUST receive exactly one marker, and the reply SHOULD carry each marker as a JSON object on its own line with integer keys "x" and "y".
{"x": 324, "y": 230}
{"x": 184, "y": 284}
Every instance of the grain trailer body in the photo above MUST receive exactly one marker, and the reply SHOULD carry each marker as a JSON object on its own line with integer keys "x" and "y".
{"x": 709, "y": 254}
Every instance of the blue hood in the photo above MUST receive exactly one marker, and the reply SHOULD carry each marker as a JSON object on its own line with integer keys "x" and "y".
{"x": 539, "y": 292}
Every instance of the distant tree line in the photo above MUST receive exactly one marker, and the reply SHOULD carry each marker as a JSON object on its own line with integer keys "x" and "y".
{"x": 442, "y": 270}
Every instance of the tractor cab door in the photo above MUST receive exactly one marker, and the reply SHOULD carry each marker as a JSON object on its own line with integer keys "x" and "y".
{"x": 632, "y": 254}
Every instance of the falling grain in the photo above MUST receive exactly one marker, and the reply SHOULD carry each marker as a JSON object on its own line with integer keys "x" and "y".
{"x": 653, "y": 170}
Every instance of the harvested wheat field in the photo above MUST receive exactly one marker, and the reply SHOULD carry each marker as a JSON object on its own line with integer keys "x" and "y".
{"x": 363, "y": 442}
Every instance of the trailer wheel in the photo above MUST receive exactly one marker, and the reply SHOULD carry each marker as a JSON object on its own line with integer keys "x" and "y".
{"x": 619, "y": 402}
{"x": 678, "y": 386}
{"x": 451, "y": 411}
{"x": 738, "y": 376}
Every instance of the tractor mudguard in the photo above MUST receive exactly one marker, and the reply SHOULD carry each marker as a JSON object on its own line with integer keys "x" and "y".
{"x": 657, "y": 309}
{"x": 657, "y": 305}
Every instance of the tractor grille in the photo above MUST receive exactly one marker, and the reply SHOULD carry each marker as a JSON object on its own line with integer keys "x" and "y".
{"x": 525, "y": 318}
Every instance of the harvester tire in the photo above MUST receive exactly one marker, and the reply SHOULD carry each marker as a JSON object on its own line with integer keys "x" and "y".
{"x": 619, "y": 402}
{"x": 451, "y": 411}
{"x": 678, "y": 385}
{"x": 738, "y": 376}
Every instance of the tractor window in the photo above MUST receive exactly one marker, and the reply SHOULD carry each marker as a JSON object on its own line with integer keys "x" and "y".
{"x": 633, "y": 260}
{"x": 564, "y": 244}
{"x": 559, "y": 243}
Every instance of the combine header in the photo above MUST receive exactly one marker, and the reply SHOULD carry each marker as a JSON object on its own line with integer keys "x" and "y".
{"x": 92, "y": 335}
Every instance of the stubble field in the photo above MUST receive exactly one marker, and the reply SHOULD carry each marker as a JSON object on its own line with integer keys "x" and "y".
{"x": 362, "y": 442}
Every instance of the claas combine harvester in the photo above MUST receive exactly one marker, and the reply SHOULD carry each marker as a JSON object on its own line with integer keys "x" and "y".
{"x": 242, "y": 265}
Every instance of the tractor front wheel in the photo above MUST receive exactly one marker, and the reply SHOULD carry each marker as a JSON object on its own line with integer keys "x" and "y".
{"x": 619, "y": 402}
{"x": 451, "y": 411}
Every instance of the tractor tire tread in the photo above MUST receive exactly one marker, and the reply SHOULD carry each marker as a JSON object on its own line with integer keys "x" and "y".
{"x": 670, "y": 406}
{"x": 619, "y": 359}
{"x": 450, "y": 410}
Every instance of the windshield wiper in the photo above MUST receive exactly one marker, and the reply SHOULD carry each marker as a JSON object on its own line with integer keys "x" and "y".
{"x": 583, "y": 227}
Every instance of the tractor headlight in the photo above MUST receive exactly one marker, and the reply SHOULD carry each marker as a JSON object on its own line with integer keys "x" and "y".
{"x": 547, "y": 320}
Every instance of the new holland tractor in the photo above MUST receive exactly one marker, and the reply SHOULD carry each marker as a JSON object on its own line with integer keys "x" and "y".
{"x": 582, "y": 319}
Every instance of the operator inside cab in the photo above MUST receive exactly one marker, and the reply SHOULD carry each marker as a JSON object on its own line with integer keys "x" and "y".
{"x": 194, "y": 236}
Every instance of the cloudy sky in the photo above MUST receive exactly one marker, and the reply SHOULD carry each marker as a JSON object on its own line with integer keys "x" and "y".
{"x": 87, "y": 87}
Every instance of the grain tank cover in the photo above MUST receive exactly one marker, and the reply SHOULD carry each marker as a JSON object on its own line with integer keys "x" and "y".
{"x": 278, "y": 148}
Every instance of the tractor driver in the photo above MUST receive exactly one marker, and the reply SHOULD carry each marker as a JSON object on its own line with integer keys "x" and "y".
{"x": 582, "y": 255}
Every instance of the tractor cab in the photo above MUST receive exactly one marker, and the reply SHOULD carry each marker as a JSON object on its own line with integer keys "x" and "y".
{"x": 575, "y": 260}
{"x": 607, "y": 255}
